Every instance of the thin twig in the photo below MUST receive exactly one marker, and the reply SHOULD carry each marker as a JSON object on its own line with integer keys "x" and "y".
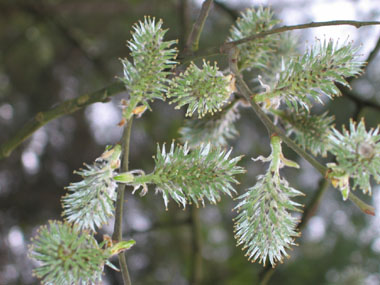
{"x": 374, "y": 52}
{"x": 346, "y": 92}
{"x": 184, "y": 21}
{"x": 118, "y": 227}
{"x": 42, "y": 12}
{"x": 265, "y": 275}
{"x": 231, "y": 12}
{"x": 311, "y": 208}
{"x": 272, "y": 129}
{"x": 229, "y": 45}
{"x": 65, "y": 108}
{"x": 162, "y": 226}
{"x": 192, "y": 43}
{"x": 196, "y": 270}
{"x": 369, "y": 210}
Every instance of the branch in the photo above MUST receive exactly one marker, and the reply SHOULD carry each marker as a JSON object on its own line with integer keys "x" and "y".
{"x": 118, "y": 230}
{"x": 196, "y": 270}
{"x": 265, "y": 275}
{"x": 311, "y": 208}
{"x": 65, "y": 108}
{"x": 347, "y": 92}
{"x": 358, "y": 101}
{"x": 272, "y": 129}
{"x": 162, "y": 226}
{"x": 184, "y": 21}
{"x": 369, "y": 210}
{"x": 45, "y": 13}
{"x": 229, "y": 45}
{"x": 374, "y": 52}
{"x": 231, "y": 12}
{"x": 192, "y": 43}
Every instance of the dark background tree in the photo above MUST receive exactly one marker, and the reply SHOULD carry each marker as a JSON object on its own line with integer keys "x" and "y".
{"x": 52, "y": 51}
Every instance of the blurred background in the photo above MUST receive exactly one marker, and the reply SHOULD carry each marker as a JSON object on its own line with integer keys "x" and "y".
{"x": 55, "y": 50}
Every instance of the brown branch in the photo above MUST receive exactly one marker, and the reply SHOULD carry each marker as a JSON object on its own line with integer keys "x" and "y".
{"x": 360, "y": 103}
{"x": 196, "y": 268}
{"x": 161, "y": 226}
{"x": 192, "y": 43}
{"x": 184, "y": 21}
{"x": 117, "y": 235}
{"x": 43, "y": 12}
{"x": 229, "y": 45}
{"x": 65, "y": 108}
{"x": 265, "y": 275}
{"x": 312, "y": 206}
{"x": 346, "y": 92}
{"x": 231, "y": 12}
{"x": 373, "y": 53}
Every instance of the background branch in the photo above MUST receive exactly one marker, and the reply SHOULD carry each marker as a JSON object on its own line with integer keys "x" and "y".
{"x": 231, "y": 12}
{"x": 42, "y": 12}
{"x": 65, "y": 108}
{"x": 184, "y": 21}
{"x": 312, "y": 206}
{"x": 374, "y": 52}
{"x": 196, "y": 229}
{"x": 163, "y": 226}
{"x": 229, "y": 45}
{"x": 347, "y": 92}
{"x": 360, "y": 103}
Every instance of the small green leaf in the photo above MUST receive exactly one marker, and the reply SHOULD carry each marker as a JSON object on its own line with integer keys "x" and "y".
{"x": 122, "y": 246}
{"x": 345, "y": 193}
{"x": 125, "y": 177}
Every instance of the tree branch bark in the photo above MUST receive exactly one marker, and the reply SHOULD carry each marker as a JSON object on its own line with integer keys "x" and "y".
{"x": 229, "y": 45}
{"x": 192, "y": 43}
{"x": 118, "y": 227}
{"x": 65, "y": 108}
{"x": 196, "y": 270}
